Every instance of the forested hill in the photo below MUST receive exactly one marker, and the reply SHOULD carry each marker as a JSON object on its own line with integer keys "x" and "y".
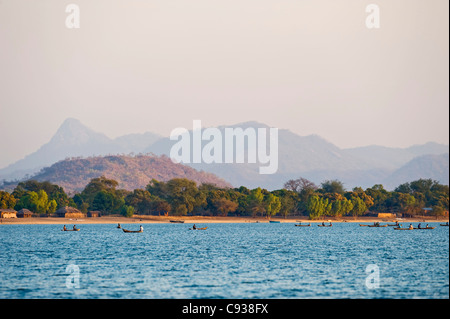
{"x": 131, "y": 172}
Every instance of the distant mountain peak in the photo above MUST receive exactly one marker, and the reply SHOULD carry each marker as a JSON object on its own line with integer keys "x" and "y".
{"x": 74, "y": 132}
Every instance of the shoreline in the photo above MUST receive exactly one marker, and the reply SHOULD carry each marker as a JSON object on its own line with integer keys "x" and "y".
{"x": 145, "y": 219}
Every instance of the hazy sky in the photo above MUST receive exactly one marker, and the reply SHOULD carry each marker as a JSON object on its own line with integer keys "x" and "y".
{"x": 311, "y": 66}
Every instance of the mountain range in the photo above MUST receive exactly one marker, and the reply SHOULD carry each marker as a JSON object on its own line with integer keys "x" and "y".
{"x": 311, "y": 157}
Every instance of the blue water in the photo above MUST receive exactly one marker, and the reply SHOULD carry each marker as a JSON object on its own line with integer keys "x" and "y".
{"x": 225, "y": 261}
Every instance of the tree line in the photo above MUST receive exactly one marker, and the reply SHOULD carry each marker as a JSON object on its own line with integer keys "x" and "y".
{"x": 181, "y": 196}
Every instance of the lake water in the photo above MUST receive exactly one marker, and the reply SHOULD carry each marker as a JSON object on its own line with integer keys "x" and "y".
{"x": 225, "y": 261}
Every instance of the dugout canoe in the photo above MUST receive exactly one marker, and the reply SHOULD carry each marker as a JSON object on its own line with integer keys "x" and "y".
{"x": 132, "y": 231}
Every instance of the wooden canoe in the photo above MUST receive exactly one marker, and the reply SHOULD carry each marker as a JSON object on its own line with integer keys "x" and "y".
{"x": 203, "y": 228}
{"x": 324, "y": 225}
{"x": 76, "y": 229}
{"x": 426, "y": 228}
{"x": 399, "y": 228}
{"x": 377, "y": 225}
{"x": 177, "y": 221}
{"x": 131, "y": 231}
{"x": 300, "y": 225}
{"x": 444, "y": 225}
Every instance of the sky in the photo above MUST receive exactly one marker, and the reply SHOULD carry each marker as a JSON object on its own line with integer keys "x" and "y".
{"x": 310, "y": 66}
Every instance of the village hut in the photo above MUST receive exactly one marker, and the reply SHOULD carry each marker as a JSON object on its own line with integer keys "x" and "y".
{"x": 8, "y": 213}
{"x": 69, "y": 212}
{"x": 24, "y": 213}
{"x": 94, "y": 213}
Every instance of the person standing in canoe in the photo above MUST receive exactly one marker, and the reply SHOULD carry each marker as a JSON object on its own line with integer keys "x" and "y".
{"x": 64, "y": 228}
{"x": 74, "y": 227}
{"x": 194, "y": 227}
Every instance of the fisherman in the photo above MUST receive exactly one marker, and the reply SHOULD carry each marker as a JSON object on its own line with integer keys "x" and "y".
{"x": 411, "y": 226}
{"x": 74, "y": 227}
{"x": 64, "y": 228}
{"x": 194, "y": 227}
{"x": 141, "y": 228}
{"x": 418, "y": 226}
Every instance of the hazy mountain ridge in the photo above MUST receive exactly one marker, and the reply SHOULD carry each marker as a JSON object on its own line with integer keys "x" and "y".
{"x": 130, "y": 171}
{"x": 315, "y": 158}
{"x": 73, "y": 139}
{"x": 309, "y": 156}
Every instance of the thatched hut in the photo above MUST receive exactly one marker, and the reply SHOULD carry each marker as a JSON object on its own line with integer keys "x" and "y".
{"x": 69, "y": 212}
{"x": 24, "y": 213}
{"x": 94, "y": 213}
{"x": 8, "y": 213}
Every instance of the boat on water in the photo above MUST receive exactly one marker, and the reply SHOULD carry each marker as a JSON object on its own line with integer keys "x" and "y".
{"x": 324, "y": 225}
{"x": 305, "y": 225}
{"x": 363, "y": 225}
{"x": 177, "y": 221}
{"x": 203, "y": 228}
{"x": 132, "y": 231}
{"x": 377, "y": 225}
{"x": 425, "y": 228}
{"x": 75, "y": 229}
{"x": 400, "y": 228}
{"x": 445, "y": 225}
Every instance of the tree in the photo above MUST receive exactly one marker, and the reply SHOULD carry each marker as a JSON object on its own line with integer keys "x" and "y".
{"x": 347, "y": 206}
{"x": 141, "y": 200}
{"x": 299, "y": 185}
{"x": 317, "y": 207}
{"x": 97, "y": 185}
{"x": 402, "y": 202}
{"x": 379, "y": 197}
{"x": 53, "y": 191}
{"x": 80, "y": 204}
{"x": 254, "y": 202}
{"x": 272, "y": 205}
{"x": 359, "y": 207}
{"x": 101, "y": 194}
{"x": 288, "y": 200}
{"x": 107, "y": 202}
{"x": 127, "y": 211}
{"x": 182, "y": 194}
{"x": 37, "y": 202}
{"x": 7, "y": 200}
{"x": 333, "y": 186}
{"x": 225, "y": 206}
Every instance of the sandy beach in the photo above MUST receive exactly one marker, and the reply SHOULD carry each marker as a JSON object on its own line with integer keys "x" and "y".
{"x": 145, "y": 219}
